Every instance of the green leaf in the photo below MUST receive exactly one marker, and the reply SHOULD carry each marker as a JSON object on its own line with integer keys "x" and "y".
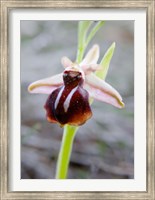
{"x": 83, "y": 29}
{"x": 94, "y": 31}
{"x": 84, "y": 37}
{"x": 105, "y": 62}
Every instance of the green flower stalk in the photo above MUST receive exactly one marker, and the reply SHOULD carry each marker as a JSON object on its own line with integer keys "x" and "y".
{"x": 65, "y": 151}
{"x": 72, "y": 92}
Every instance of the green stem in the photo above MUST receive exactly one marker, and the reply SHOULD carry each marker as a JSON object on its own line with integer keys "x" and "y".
{"x": 65, "y": 151}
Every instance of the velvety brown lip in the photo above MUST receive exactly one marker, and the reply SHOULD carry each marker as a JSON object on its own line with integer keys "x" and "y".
{"x": 69, "y": 104}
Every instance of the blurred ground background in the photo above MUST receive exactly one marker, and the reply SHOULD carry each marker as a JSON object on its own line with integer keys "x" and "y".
{"x": 104, "y": 146}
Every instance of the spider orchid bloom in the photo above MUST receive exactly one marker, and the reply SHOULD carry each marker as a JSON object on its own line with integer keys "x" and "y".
{"x": 69, "y": 92}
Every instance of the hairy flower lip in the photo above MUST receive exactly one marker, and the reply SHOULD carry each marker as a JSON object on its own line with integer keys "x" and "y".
{"x": 69, "y": 104}
{"x": 96, "y": 87}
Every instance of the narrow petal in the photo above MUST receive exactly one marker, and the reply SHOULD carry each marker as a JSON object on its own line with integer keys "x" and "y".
{"x": 47, "y": 85}
{"x": 66, "y": 62}
{"x": 90, "y": 68}
{"x": 102, "y": 91}
{"x": 92, "y": 56}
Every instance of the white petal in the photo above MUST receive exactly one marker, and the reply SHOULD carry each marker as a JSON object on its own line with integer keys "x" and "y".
{"x": 66, "y": 62}
{"x": 102, "y": 91}
{"x": 47, "y": 85}
{"x": 90, "y": 68}
{"x": 92, "y": 56}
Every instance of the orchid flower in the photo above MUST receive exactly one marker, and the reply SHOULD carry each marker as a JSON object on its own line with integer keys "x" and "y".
{"x": 70, "y": 91}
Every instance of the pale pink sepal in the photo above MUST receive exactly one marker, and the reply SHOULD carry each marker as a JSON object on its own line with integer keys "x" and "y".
{"x": 43, "y": 90}
{"x": 47, "y": 85}
{"x": 102, "y": 91}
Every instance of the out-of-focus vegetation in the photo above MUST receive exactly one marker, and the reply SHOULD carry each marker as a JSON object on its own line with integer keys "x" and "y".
{"x": 104, "y": 146}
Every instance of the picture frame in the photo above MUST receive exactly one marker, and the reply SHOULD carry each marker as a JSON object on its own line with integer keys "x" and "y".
{"x": 6, "y": 7}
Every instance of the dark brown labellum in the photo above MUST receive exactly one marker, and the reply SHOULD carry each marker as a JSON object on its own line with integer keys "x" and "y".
{"x": 69, "y": 104}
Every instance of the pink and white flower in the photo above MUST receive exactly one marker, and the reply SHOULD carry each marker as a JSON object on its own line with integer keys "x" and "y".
{"x": 69, "y": 92}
